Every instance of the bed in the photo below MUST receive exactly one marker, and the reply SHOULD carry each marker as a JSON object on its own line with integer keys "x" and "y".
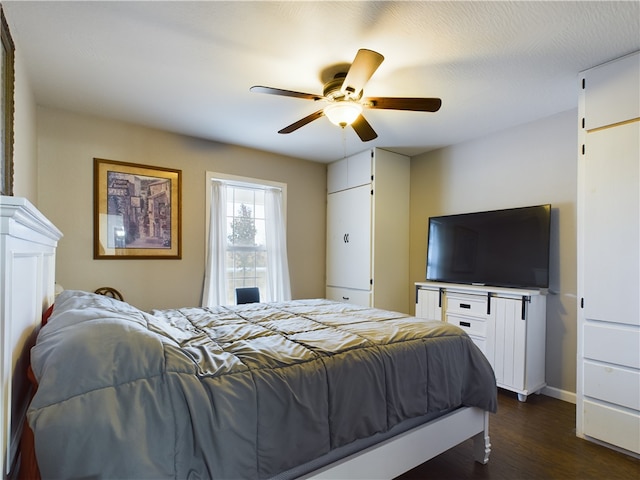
{"x": 299, "y": 389}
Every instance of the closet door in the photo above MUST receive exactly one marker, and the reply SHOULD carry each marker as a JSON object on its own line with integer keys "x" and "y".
{"x": 611, "y": 227}
{"x": 349, "y": 238}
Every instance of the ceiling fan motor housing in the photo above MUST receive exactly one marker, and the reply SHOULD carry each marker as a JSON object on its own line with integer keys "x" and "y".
{"x": 333, "y": 90}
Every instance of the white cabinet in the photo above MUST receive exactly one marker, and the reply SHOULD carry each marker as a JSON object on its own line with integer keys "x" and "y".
{"x": 608, "y": 374}
{"x": 507, "y": 324}
{"x": 28, "y": 244}
{"x": 368, "y": 230}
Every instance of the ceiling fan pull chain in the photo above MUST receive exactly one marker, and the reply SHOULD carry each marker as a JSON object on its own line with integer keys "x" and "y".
{"x": 344, "y": 142}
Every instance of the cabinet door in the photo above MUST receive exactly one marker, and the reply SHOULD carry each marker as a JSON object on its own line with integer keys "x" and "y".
{"x": 349, "y": 238}
{"x": 611, "y": 228}
{"x": 350, "y": 172}
{"x": 429, "y": 304}
{"x": 337, "y": 176}
{"x": 359, "y": 169}
{"x": 510, "y": 343}
{"x": 612, "y": 93}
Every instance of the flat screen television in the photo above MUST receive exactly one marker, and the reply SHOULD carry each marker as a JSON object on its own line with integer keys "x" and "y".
{"x": 502, "y": 248}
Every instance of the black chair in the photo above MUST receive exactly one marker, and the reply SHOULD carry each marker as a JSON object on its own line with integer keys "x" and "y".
{"x": 247, "y": 295}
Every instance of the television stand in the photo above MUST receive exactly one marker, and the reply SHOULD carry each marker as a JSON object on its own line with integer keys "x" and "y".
{"x": 507, "y": 324}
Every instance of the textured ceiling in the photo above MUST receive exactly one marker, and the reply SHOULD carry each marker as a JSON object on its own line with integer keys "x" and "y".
{"x": 187, "y": 67}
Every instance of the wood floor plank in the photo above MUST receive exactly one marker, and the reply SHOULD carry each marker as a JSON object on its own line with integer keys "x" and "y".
{"x": 531, "y": 440}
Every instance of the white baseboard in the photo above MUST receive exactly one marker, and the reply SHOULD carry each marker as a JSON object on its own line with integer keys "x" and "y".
{"x": 559, "y": 394}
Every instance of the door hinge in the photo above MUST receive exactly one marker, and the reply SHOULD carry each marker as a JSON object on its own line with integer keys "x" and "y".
{"x": 584, "y": 149}
{"x": 583, "y": 122}
{"x": 582, "y": 302}
{"x": 584, "y": 83}
{"x": 371, "y": 281}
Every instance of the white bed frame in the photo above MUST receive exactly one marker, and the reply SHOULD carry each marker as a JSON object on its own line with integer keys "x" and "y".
{"x": 27, "y": 258}
{"x": 403, "y": 452}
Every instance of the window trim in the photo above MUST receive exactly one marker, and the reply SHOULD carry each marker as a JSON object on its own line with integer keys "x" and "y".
{"x": 239, "y": 181}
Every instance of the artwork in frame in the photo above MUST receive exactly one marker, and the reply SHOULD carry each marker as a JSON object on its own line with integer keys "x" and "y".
{"x": 6, "y": 98}
{"x": 137, "y": 211}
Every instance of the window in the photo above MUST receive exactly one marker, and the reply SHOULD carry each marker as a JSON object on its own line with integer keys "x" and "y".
{"x": 246, "y": 235}
{"x": 246, "y": 244}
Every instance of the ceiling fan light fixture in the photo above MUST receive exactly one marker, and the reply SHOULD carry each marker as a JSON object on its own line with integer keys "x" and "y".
{"x": 343, "y": 113}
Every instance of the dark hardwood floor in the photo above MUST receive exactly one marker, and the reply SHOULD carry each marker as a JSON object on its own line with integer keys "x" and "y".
{"x": 532, "y": 440}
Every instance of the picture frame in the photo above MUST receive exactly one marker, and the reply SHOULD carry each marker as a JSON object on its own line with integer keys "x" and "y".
{"x": 7, "y": 75}
{"x": 137, "y": 211}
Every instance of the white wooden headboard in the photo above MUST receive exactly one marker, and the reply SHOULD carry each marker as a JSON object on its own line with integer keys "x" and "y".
{"x": 28, "y": 244}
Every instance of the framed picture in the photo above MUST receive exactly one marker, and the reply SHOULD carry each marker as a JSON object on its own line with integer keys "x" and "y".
{"x": 6, "y": 100}
{"x": 137, "y": 211}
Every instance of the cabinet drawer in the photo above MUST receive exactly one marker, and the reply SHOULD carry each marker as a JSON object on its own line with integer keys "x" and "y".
{"x": 612, "y": 344}
{"x": 612, "y": 384}
{"x": 347, "y": 295}
{"x": 473, "y": 326}
{"x": 612, "y": 425}
{"x": 474, "y": 305}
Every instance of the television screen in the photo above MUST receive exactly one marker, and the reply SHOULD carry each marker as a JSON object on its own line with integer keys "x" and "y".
{"x": 502, "y": 248}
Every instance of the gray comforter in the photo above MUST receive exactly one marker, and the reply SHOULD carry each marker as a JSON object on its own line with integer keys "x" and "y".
{"x": 234, "y": 392}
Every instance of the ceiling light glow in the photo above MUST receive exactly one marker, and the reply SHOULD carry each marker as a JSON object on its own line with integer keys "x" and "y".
{"x": 343, "y": 113}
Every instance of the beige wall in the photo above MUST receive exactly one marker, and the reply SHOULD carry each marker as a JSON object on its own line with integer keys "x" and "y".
{"x": 530, "y": 164}
{"x": 67, "y": 144}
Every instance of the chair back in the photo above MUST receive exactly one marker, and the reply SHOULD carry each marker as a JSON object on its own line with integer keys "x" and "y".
{"x": 247, "y": 295}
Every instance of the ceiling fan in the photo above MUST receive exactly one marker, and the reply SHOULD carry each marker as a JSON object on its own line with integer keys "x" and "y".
{"x": 343, "y": 96}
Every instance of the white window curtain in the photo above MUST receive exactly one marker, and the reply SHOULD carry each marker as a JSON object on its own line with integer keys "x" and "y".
{"x": 278, "y": 284}
{"x": 214, "y": 292}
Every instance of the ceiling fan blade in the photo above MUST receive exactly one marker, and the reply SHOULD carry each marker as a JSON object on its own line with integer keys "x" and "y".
{"x": 364, "y": 129}
{"x": 361, "y": 70}
{"x": 284, "y": 93}
{"x": 302, "y": 122}
{"x": 402, "y": 103}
